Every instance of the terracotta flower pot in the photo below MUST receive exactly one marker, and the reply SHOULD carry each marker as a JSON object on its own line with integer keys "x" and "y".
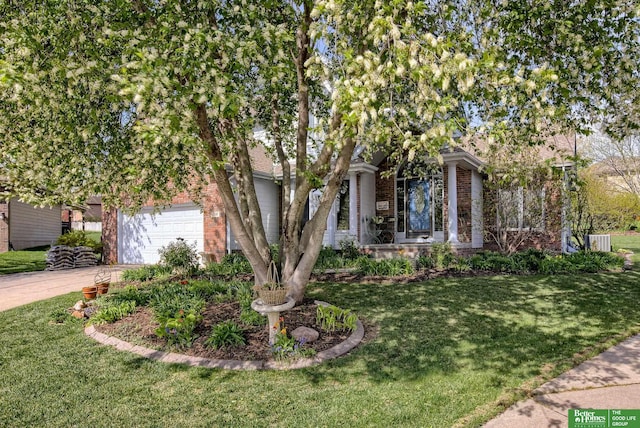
{"x": 89, "y": 292}
{"x": 103, "y": 288}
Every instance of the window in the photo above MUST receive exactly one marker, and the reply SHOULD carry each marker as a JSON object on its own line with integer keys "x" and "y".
{"x": 343, "y": 206}
{"x": 520, "y": 208}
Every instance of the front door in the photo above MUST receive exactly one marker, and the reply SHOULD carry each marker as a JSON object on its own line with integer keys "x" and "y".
{"x": 419, "y": 203}
{"x": 418, "y": 208}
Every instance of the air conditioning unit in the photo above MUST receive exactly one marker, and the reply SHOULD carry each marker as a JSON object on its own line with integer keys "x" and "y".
{"x": 598, "y": 242}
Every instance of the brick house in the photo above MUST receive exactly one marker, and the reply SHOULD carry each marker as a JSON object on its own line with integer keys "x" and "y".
{"x": 385, "y": 212}
{"x": 404, "y": 212}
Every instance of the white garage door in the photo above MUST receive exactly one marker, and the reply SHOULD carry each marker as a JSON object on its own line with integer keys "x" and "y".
{"x": 141, "y": 236}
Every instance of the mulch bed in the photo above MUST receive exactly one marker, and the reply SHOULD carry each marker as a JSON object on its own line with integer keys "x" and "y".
{"x": 139, "y": 328}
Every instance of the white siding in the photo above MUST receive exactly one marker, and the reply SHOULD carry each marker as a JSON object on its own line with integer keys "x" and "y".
{"x": 367, "y": 203}
{"x": 268, "y": 197}
{"x": 140, "y": 236}
{"x": 33, "y": 227}
{"x": 477, "y": 234}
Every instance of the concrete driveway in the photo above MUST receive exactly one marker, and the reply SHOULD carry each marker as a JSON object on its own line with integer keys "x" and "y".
{"x": 21, "y": 288}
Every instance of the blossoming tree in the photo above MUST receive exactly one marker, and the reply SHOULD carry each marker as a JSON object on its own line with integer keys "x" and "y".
{"x": 120, "y": 98}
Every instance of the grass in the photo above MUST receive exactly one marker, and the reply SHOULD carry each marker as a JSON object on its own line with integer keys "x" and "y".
{"x": 22, "y": 261}
{"x": 94, "y": 236}
{"x": 448, "y": 352}
{"x": 32, "y": 259}
{"x": 628, "y": 242}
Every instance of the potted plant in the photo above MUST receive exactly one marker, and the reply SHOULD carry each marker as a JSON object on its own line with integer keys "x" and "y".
{"x": 102, "y": 281}
{"x": 272, "y": 292}
{"x": 89, "y": 292}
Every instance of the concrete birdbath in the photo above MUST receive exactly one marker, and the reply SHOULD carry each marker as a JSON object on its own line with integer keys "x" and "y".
{"x": 273, "y": 313}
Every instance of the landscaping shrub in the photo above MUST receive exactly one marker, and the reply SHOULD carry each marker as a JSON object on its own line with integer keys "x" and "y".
{"x": 332, "y": 318}
{"x": 386, "y": 267}
{"x": 180, "y": 256}
{"x": 79, "y": 238}
{"x": 177, "y": 311}
{"x": 179, "y": 329}
{"x": 541, "y": 261}
{"x": 460, "y": 264}
{"x": 169, "y": 299}
{"x": 231, "y": 265}
{"x": 60, "y": 316}
{"x": 224, "y": 334}
{"x": 244, "y": 295}
{"x": 112, "y": 310}
{"x": 595, "y": 261}
{"x": 349, "y": 250}
{"x": 146, "y": 273}
{"x": 328, "y": 259}
{"x": 442, "y": 255}
{"x": 425, "y": 261}
{"x": 132, "y": 293}
{"x": 206, "y": 289}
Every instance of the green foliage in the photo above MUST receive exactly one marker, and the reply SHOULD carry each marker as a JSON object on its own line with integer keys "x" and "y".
{"x": 180, "y": 256}
{"x": 595, "y": 261}
{"x": 167, "y": 300}
{"x": 110, "y": 311}
{"x": 224, "y": 334}
{"x": 93, "y": 105}
{"x": 442, "y": 255}
{"x": 179, "y": 329}
{"x": 460, "y": 264}
{"x": 140, "y": 296}
{"x": 332, "y": 318}
{"x": 60, "y": 316}
{"x": 79, "y": 238}
{"x": 540, "y": 261}
{"x": 328, "y": 259}
{"x": 243, "y": 292}
{"x": 146, "y": 273}
{"x": 207, "y": 289}
{"x": 231, "y": 265}
{"x": 178, "y": 310}
{"x": 425, "y": 262}
{"x": 595, "y": 208}
{"x": 250, "y": 317}
{"x": 385, "y": 267}
{"x": 349, "y": 249}
{"x": 286, "y": 347}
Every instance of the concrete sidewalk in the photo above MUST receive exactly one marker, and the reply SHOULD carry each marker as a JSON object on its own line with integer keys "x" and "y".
{"x": 21, "y": 288}
{"x": 609, "y": 381}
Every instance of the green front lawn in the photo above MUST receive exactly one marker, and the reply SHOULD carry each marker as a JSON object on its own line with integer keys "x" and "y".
{"x": 628, "y": 242}
{"x": 22, "y": 261}
{"x": 442, "y": 353}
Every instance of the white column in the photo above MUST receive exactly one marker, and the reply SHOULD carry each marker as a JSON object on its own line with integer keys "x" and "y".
{"x": 452, "y": 202}
{"x": 477, "y": 226}
{"x": 353, "y": 205}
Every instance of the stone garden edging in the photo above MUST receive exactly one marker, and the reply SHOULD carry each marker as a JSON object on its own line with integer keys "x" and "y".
{"x": 173, "y": 358}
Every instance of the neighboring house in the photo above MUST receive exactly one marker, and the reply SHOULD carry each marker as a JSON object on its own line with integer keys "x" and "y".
{"x": 87, "y": 217}
{"x": 622, "y": 173}
{"x": 402, "y": 213}
{"x": 25, "y": 226}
